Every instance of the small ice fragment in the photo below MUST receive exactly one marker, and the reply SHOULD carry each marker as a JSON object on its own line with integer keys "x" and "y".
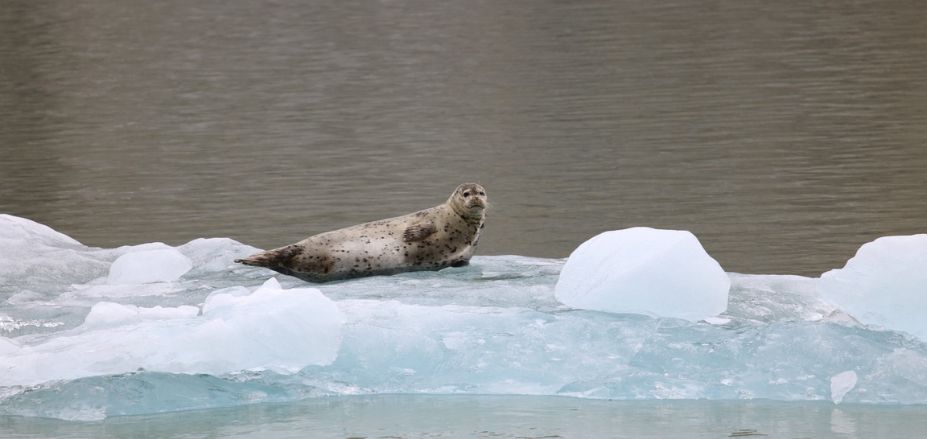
{"x": 841, "y": 384}
{"x": 717, "y": 321}
{"x": 147, "y": 266}
{"x": 644, "y": 271}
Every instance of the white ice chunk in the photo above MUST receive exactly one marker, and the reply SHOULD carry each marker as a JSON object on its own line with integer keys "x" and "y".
{"x": 644, "y": 271}
{"x": 885, "y": 284}
{"x": 271, "y": 328}
{"x": 147, "y": 266}
{"x": 841, "y": 384}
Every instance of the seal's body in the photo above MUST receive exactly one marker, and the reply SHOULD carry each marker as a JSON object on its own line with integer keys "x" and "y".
{"x": 430, "y": 239}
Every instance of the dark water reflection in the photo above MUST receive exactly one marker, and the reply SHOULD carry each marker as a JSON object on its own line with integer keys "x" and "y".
{"x": 784, "y": 134}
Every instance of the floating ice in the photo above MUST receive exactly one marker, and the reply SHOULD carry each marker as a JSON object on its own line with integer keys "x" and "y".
{"x": 221, "y": 334}
{"x": 885, "y": 284}
{"x": 641, "y": 270}
{"x": 271, "y": 328}
{"x": 147, "y": 266}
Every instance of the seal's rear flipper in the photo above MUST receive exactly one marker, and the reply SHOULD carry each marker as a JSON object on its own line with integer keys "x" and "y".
{"x": 272, "y": 258}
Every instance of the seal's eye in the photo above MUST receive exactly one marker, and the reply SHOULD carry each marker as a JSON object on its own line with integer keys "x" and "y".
{"x": 482, "y": 193}
{"x": 466, "y": 194}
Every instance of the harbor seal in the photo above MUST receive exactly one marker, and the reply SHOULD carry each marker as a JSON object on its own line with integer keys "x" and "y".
{"x": 442, "y": 236}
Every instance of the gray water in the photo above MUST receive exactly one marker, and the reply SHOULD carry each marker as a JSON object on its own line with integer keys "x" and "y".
{"x": 783, "y": 134}
{"x": 524, "y": 417}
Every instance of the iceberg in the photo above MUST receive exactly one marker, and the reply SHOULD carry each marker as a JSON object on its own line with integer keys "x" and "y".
{"x": 648, "y": 271}
{"x": 884, "y": 284}
{"x": 75, "y": 346}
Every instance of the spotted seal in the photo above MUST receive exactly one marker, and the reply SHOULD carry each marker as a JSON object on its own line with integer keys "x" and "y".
{"x": 442, "y": 236}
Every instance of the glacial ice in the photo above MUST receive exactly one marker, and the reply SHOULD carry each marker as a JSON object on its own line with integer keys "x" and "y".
{"x": 884, "y": 284}
{"x": 74, "y": 346}
{"x": 641, "y": 270}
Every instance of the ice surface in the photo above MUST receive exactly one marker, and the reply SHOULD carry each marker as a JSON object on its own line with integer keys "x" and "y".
{"x": 885, "y": 284}
{"x": 108, "y": 314}
{"x": 71, "y": 344}
{"x": 648, "y": 271}
{"x": 48, "y": 281}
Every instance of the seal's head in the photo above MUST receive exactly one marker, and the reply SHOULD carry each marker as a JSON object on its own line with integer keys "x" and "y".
{"x": 469, "y": 200}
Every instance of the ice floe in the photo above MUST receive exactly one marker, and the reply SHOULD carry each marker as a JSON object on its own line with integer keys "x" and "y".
{"x": 73, "y": 345}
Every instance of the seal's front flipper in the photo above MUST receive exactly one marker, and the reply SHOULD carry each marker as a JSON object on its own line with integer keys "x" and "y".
{"x": 418, "y": 232}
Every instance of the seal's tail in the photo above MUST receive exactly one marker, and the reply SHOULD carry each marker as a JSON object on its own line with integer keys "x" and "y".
{"x": 271, "y": 258}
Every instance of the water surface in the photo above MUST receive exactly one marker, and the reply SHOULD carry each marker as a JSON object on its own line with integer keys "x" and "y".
{"x": 784, "y": 134}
